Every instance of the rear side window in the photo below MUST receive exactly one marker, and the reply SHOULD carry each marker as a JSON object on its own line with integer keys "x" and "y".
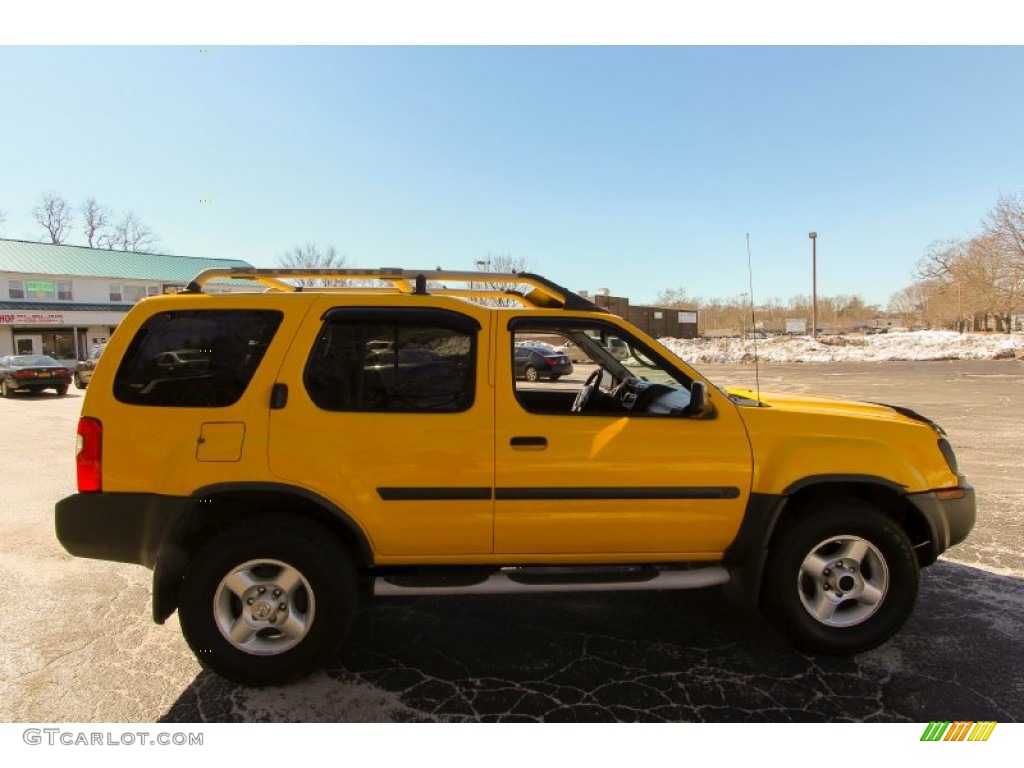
{"x": 194, "y": 359}
{"x": 397, "y": 364}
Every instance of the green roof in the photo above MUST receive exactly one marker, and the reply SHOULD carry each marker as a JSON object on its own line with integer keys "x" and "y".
{"x": 73, "y": 260}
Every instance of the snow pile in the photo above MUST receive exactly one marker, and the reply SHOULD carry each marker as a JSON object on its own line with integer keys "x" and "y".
{"x": 910, "y": 345}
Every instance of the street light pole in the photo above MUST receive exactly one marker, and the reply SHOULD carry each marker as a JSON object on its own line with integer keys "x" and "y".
{"x": 814, "y": 284}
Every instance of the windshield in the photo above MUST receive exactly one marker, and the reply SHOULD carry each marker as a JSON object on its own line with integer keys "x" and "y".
{"x": 646, "y": 369}
{"x": 642, "y": 367}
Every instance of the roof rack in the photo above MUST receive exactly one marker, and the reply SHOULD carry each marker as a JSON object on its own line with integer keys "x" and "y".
{"x": 541, "y": 293}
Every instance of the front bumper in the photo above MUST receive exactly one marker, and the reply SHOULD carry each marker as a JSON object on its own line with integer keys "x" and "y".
{"x": 949, "y": 513}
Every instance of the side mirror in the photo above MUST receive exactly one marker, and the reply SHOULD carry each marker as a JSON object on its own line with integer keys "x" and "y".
{"x": 698, "y": 400}
{"x": 698, "y": 395}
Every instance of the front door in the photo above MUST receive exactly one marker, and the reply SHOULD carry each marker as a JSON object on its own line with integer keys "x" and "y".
{"x": 605, "y": 482}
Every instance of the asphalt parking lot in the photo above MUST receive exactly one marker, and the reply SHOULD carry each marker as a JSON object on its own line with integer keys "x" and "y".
{"x": 79, "y": 644}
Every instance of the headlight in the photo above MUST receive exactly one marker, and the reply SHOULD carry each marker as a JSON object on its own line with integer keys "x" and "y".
{"x": 948, "y": 455}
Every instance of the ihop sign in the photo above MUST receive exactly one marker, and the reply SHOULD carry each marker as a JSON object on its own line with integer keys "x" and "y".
{"x": 31, "y": 318}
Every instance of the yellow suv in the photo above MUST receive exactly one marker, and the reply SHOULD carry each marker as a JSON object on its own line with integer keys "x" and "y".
{"x": 274, "y": 456}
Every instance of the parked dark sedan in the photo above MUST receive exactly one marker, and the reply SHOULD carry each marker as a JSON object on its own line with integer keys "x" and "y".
{"x": 32, "y": 373}
{"x": 84, "y": 369}
{"x": 533, "y": 363}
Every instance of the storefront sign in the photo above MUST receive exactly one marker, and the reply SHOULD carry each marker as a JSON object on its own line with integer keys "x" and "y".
{"x": 40, "y": 286}
{"x": 31, "y": 318}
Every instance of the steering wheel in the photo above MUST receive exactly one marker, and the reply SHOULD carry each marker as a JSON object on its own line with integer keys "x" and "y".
{"x": 586, "y": 394}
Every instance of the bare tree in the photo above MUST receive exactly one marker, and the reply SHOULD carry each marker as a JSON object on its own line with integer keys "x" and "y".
{"x": 311, "y": 256}
{"x": 129, "y": 234}
{"x": 1004, "y": 231}
{"x": 910, "y": 303}
{"x": 95, "y": 218}
{"x": 674, "y": 297}
{"x": 940, "y": 259}
{"x": 1006, "y": 222}
{"x": 977, "y": 278}
{"x": 501, "y": 263}
{"x": 950, "y": 283}
{"x": 54, "y": 214}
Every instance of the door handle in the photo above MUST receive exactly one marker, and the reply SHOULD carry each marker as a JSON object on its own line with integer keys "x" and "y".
{"x": 528, "y": 442}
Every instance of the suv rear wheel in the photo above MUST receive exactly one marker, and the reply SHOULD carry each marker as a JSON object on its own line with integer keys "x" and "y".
{"x": 841, "y": 579}
{"x": 267, "y": 600}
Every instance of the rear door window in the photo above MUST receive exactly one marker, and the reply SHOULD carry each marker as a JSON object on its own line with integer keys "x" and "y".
{"x": 394, "y": 361}
{"x": 194, "y": 358}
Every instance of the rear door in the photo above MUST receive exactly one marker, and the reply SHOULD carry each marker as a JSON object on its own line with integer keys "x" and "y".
{"x": 389, "y": 415}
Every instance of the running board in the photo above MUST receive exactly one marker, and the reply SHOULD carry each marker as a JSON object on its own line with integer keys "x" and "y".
{"x": 517, "y": 581}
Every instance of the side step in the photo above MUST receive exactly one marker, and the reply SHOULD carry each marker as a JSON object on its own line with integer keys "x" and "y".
{"x": 533, "y": 580}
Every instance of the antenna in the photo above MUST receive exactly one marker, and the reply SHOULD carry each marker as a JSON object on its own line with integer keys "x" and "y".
{"x": 753, "y": 323}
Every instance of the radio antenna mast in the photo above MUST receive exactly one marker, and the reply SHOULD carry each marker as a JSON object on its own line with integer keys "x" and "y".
{"x": 753, "y": 324}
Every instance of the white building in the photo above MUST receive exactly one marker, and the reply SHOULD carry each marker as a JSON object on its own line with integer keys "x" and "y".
{"x": 63, "y": 300}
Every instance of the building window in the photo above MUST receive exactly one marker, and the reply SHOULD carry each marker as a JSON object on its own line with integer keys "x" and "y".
{"x": 40, "y": 289}
{"x": 133, "y": 293}
{"x": 130, "y": 294}
{"x": 56, "y": 344}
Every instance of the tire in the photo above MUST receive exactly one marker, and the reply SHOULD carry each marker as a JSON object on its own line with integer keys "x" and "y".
{"x": 5, "y": 391}
{"x": 79, "y": 384}
{"x": 530, "y": 374}
{"x": 61, "y": 391}
{"x": 230, "y": 586}
{"x": 841, "y": 579}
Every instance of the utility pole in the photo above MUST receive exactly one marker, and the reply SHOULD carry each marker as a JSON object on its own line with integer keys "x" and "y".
{"x": 814, "y": 284}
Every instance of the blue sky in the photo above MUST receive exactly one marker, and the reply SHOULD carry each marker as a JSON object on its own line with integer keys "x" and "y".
{"x": 631, "y": 168}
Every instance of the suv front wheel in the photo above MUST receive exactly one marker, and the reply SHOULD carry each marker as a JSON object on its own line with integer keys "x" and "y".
{"x": 267, "y": 600}
{"x": 841, "y": 579}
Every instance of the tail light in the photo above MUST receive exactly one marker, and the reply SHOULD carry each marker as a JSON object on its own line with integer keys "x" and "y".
{"x": 25, "y": 374}
{"x": 89, "y": 455}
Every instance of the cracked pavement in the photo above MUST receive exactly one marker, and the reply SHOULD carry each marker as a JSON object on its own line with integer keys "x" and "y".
{"x": 79, "y": 644}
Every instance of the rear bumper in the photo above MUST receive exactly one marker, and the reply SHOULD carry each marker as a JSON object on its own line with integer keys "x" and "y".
{"x": 124, "y": 527}
{"x": 35, "y": 385}
{"x": 950, "y": 515}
